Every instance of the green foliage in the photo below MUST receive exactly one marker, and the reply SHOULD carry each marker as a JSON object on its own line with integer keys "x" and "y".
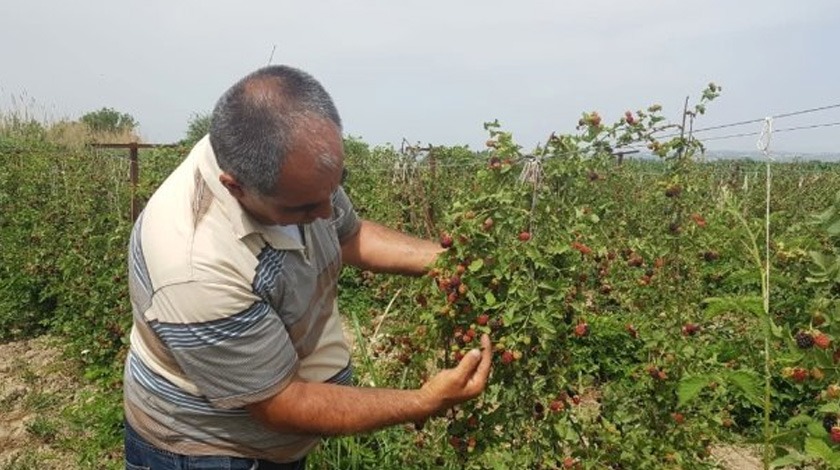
{"x": 197, "y": 128}
{"x": 629, "y": 325}
{"x": 109, "y": 120}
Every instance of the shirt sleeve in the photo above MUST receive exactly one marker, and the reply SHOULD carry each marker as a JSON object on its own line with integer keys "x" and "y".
{"x": 229, "y": 343}
{"x": 345, "y": 220}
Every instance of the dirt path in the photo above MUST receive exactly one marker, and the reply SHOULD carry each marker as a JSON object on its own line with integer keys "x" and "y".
{"x": 35, "y": 386}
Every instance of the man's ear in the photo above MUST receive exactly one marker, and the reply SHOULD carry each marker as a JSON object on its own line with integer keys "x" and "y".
{"x": 233, "y": 186}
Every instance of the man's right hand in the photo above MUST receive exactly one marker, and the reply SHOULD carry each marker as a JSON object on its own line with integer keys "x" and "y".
{"x": 328, "y": 409}
{"x": 463, "y": 382}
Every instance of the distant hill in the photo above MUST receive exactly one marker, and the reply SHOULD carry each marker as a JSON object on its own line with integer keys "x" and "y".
{"x": 714, "y": 155}
{"x": 777, "y": 156}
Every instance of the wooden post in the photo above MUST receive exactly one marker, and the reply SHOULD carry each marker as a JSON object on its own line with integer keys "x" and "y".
{"x": 134, "y": 168}
{"x": 133, "y": 177}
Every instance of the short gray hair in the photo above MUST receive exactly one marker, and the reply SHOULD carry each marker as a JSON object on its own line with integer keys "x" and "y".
{"x": 254, "y": 122}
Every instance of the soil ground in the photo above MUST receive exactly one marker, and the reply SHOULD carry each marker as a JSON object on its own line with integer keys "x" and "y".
{"x": 36, "y": 387}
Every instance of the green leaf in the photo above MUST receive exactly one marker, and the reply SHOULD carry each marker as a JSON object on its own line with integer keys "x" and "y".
{"x": 826, "y": 216}
{"x": 489, "y": 299}
{"x": 790, "y": 459}
{"x": 476, "y": 265}
{"x": 816, "y": 429}
{"x": 834, "y": 229}
{"x": 747, "y": 303}
{"x": 690, "y": 387}
{"x": 749, "y": 383}
{"x": 776, "y": 330}
{"x": 818, "y": 448}
{"x": 830, "y": 408}
{"x": 823, "y": 261}
{"x": 799, "y": 421}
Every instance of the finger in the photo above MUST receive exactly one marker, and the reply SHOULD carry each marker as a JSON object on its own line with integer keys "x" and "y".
{"x": 466, "y": 368}
{"x": 486, "y": 358}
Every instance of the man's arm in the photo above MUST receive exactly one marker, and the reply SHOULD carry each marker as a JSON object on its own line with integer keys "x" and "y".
{"x": 329, "y": 409}
{"x": 377, "y": 248}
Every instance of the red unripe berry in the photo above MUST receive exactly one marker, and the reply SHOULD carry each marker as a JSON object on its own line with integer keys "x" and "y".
{"x": 445, "y": 241}
{"x": 799, "y": 374}
{"x": 482, "y": 319}
{"x": 835, "y": 434}
{"x": 581, "y": 329}
{"x": 507, "y": 357}
{"x": 556, "y": 405}
{"x": 678, "y": 418}
{"x": 690, "y": 329}
{"x": 822, "y": 341}
{"x": 524, "y": 236}
{"x": 583, "y": 249}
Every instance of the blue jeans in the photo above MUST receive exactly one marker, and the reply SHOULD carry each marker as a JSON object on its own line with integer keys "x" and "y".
{"x": 140, "y": 455}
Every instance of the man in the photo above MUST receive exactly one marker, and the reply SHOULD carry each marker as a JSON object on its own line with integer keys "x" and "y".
{"x": 237, "y": 355}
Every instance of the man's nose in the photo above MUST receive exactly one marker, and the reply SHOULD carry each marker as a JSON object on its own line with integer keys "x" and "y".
{"x": 324, "y": 211}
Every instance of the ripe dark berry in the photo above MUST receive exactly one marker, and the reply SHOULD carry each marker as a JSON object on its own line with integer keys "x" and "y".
{"x": 673, "y": 191}
{"x": 446, "y": 241}
{"x": 804, "y": 340}
{"x": 829, "y": 421}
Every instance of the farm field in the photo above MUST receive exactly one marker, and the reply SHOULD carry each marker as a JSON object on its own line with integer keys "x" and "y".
{"x": 642, "y": 316}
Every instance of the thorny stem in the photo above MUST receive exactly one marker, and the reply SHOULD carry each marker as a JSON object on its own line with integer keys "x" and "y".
{"x": 765, "y": 293}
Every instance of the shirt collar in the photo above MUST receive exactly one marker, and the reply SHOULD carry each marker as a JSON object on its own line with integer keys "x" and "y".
{"x": 241, "y": 222}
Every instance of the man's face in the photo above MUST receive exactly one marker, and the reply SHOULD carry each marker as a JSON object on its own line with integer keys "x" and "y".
{"x": 311, "y": 173}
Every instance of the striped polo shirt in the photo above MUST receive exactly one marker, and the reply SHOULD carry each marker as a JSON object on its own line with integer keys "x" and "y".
{"x": 226, "y": 313}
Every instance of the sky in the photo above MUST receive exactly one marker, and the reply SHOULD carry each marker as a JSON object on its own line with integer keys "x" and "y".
{"x": 434, "y": 71}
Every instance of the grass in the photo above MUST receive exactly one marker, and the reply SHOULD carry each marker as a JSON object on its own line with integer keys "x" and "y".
{"x": 27, "y": 119}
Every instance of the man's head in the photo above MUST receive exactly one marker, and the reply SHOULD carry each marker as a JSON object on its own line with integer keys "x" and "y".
{"x": 277, "y": 138}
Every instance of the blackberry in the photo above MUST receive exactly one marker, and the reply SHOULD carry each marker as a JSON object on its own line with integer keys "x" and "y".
{"x": 829, "y": 422}
{"x": 804, "y": 340}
